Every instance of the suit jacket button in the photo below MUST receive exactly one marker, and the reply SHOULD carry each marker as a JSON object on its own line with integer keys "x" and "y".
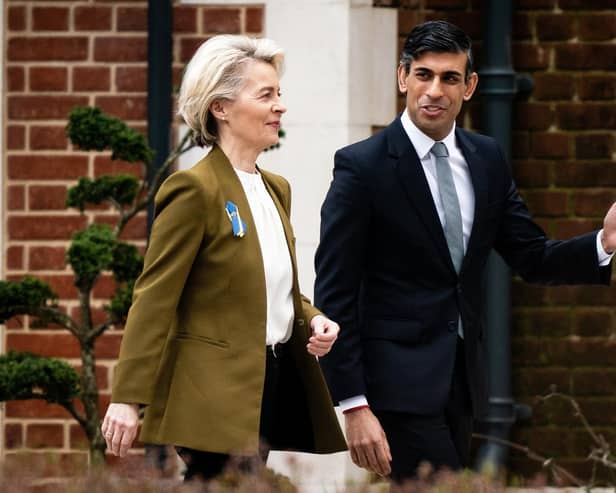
{"x": 452, "y": 326}
{"x": 301, "y": 322}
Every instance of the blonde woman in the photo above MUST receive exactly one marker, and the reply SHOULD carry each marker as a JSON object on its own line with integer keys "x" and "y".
{"x": 219, "y": 344}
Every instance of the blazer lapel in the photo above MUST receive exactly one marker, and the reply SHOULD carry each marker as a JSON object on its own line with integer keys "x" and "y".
{"x": 476, "y": 166}
{"x": 413, "y": 179}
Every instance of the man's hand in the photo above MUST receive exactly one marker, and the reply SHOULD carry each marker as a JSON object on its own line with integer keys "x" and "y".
{"x": 324, "y": 333}
{"x": 608, "y": 238}
{"x": 120, "y": 427}
{"x": 367, "y": 441}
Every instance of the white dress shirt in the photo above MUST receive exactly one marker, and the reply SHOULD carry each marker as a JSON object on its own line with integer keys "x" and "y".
{"x": 466, "y": 196}
{"x": 276, "y": 258}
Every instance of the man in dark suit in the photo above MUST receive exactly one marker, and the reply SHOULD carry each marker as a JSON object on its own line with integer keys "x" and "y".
{"x": 407, "y": 225}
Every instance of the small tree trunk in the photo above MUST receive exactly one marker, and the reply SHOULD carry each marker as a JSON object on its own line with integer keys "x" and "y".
{"x": 89, "y": 398}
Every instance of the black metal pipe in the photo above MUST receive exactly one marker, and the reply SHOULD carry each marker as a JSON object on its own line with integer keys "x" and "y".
{"x": 160, "y": 28}
{"x": 497, "y": 87}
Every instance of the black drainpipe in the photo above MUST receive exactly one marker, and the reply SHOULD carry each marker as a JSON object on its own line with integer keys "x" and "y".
{"x": 160, "y": 22}
{"x": 498, "y": 85}
{"x": 160, "y": 28}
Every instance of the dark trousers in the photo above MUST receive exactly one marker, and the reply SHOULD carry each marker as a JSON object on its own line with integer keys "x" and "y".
{"x": 443, "y": 440}
{"x": 207, "y": 465}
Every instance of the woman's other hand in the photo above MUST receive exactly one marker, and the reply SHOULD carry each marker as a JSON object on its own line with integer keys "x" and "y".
{"x": 120, "y": 427}
{"x": 324, "y": 333}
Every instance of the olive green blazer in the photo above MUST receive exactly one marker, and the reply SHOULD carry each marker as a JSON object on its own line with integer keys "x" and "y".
{"x": 193, "y": 350}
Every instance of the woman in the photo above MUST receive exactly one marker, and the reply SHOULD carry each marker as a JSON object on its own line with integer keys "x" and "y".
{"x": 217, "y": 344}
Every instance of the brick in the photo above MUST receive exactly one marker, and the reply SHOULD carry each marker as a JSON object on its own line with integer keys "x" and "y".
{"x": 551, "y": 87}
{"x": 17, "y": 18}
{"x": 49, "y": 18}
{"x": 91, "y": 79}
{"x": 16, "y": 197}
{"x": 584, "y": 295}
{"x": 597, "y": 87}
{"x": 13, "y": 435}
{"x": 43, "y": 107}
{"x": 590, "y": 203}
{"x": 102, "y": 372}
{"x": 132, "y": 19}
{"x": 15, "y": 137}
{"x": 522, "y": 26}
{"x": 45, "y": 197}
{"x": 545, "y": 322}
{"x": 469, "y": 22}
{"x": 124, "y": 107}
{"x": 550, "y": 145}
{"x": 586, "y": 4}
{"x": 528, "y": 56}
{"x": 532, "y": 173}
{"x": 254, "y": 20}
{"x": 532, "y": 116}
{"x": 15, "y": 257}
{"x": 599, "y": 145}
{"x": 120, "y": 49}
{"x": 221, "y": 20}
{"x": 44, "y": 435}
{"x": 46, "y": 258}
{"x": 104, "y": 288}
{"x": 132, "y": 79}
{"x": 538, "y": 381}
{"x": 49, "y": 464}
{"x": 135, "y": 229}
{"x": 104, "y": 165}
{"x": 547, "y": 203}
{"x": 53, "y": 345}
{"x": 98, "y": 315}
{"x": 61, "y": 284}
{"x": 47, "y": 48}
{"x": 538, "y": 352}
{"x": 569, "y": 228}
{"x": 44, "y": 227}
{"x": 95, "y": 18}
{"x": 108, "y": 346}
{"x": 184, "y": 19}
{"x": 188, "y": 47}
{"x": 40, "y": 167}
{"x": 528, "y": 294}
{"x": 520, "y": 148}
{"x": 407, "y": 19}
{"x": 15, "y": 79}
{"x": 554, "y": 27}
{"x": 77, "y": 438}
{"x": 587, "y": 116}
{"x": 536, "y": 4}
{"x": 48, "y": 137}
{"x": 593, "y": 322}
{"x": 585, "y": 174}
{"x": 48, "y": 78}
{"x": 597, "y": 27}
{"x": 586, "y": 56}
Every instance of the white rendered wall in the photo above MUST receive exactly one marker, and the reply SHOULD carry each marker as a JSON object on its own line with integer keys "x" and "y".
{"x": 340, "y": 80}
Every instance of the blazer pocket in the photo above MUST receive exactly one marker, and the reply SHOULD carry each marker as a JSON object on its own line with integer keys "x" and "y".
{"x": 401, "y": 330}
{"x": 185, "y": 336}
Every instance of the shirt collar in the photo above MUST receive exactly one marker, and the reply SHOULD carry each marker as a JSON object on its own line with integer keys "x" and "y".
{"x": 421, "y": 142}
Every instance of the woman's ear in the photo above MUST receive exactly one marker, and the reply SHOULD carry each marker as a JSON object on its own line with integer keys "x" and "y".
{"x": 218, "y": 108}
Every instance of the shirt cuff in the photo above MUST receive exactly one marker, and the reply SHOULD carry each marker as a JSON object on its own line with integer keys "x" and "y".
{"x": 351, "y": 402}
{"x": 604, "y": 257}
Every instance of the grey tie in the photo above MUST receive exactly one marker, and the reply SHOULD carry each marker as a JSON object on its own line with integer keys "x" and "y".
{"x": 451, "y": 205}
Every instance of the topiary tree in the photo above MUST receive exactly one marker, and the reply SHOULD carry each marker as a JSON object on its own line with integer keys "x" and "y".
{"x": 93, "y": 251}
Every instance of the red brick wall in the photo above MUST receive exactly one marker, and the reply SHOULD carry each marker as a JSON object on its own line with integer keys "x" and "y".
{"x": 58, "y": 55}
{"x": 563, "y": 162}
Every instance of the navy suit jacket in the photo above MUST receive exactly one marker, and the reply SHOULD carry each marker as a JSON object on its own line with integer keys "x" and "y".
{"x": 384, "y": 272}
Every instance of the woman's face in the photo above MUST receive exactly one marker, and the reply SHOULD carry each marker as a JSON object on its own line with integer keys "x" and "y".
{"x": 252, "y": 119}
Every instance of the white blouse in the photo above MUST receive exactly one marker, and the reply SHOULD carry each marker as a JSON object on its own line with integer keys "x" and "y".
{"x": 276, "y": 258}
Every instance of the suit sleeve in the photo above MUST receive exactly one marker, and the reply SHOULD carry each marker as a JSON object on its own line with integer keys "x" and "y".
{"x": 528, "y": 251}
{"x": 339, "y": 264}
{"x": 175, "y": 239}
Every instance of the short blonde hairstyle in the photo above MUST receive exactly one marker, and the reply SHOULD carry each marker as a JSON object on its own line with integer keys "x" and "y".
{"x": 216, "y": 72}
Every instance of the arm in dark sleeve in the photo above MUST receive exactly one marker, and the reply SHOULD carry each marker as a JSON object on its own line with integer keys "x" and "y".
{"x": 526, "y": 248}
{"x": 339, "y": 266}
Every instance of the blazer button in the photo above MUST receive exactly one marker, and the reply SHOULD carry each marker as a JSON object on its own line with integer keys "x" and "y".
{"x": 452, "y": 326}
{"x": 300, "y": 322}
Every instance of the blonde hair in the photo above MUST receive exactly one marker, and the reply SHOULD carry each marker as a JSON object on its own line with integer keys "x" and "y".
{"x": 216, "y": 72}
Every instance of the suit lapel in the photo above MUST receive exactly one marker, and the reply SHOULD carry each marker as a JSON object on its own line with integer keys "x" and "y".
{"x": 413, "y": 180}
{"x": 476, "y": 166}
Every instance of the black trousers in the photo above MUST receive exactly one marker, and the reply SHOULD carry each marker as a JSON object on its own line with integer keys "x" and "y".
{"x": 207, "y": 465}
{"x": 443, "y": 440}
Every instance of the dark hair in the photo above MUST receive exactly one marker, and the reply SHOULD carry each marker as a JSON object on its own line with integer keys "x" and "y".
{"x": 436, "y": 37}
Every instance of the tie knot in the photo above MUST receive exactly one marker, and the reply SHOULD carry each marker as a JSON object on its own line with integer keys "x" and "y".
{"x": 439, "y": 150}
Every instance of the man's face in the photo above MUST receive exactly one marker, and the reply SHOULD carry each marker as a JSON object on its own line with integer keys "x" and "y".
{"x": 435, "y": 89}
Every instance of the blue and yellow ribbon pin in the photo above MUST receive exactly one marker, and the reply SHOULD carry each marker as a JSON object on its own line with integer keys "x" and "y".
{"x": 238, "y": 226}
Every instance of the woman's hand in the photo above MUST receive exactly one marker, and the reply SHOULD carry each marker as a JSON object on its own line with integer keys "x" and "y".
{"x": 324, "y": 333}
{"x": 120, "y": 427}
